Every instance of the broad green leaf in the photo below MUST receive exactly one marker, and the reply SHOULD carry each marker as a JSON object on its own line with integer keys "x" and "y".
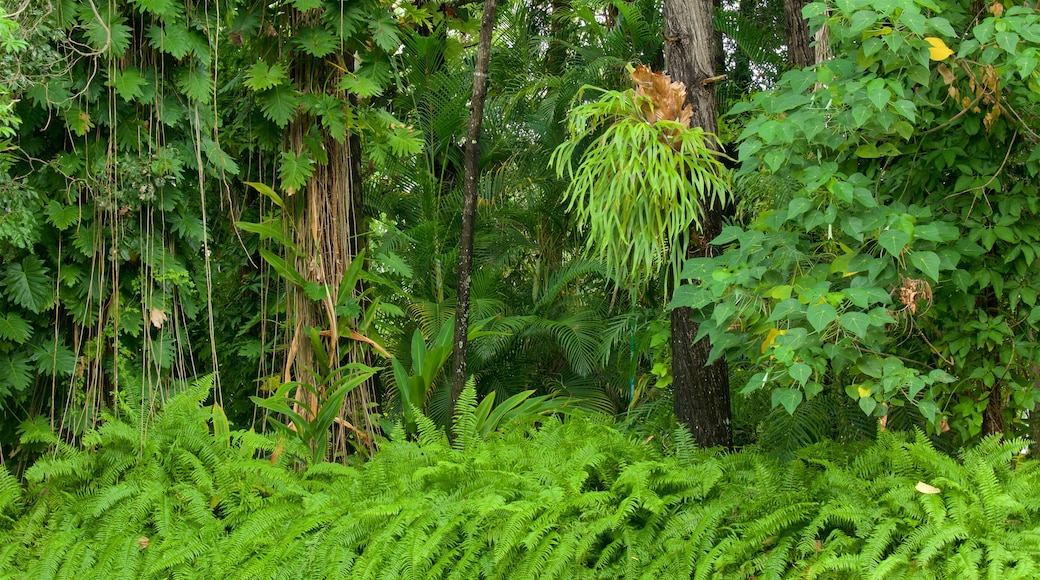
{"x": 283, "y": 268}
{"x": 15, "y": 375}
{"x": 384, "y": 32}
{"x": 279, "y": 104}
{"x": 156, "y": 7}
{"x": 814, "y": 9}
{"x": 363, "y": 87}
{"x": 128, "y": 83}
{"x": 305, "y": 5}
{"x": 173, "y": 39}
{"x": 315, "y": 291}
{"x": 195, "y": 83}
{"x": 221, "y": 161}
{"x": 868, "y": 151}
{"x": 868, "y": 404}
{"x": 54, "y": 359}
{"x": 928, "y": 410}
{"x": 784, "y": 309}
{"x": 789, "y": 398}
{"x": 914, "y": 21}
{"x": 894, "y": 240}
{"x": 78, "y": 121}
{"x": 860, "y": 20}
{"x": 105, "y": 29}
{"x": 295, "y": 170}
{"x": 821, "y": 315}
{"x": 15, "y": 328}
{"x": 690, "y": 295}
{"x": 188, "y": 226}
{"x": 855, "y": 322}
{"x": 61, "y": 216}
{"x": 268, "y": 230}
{"x": 28, "y": 284}
{"x": 878, "y": 94}
{"x": 863, "y": 297}
{"x": 907, "y": 109}
{"x": 927, "y": 263}
{"x": 262, "y": 76}
{"x": 755, "y": 383}
{"x": 798, "y": 206}
{"x": 316, "y": 41}
{"x": 782, "y": 292}
{"x": 800, "y": 372}
{"x": 697, "y": 268}
{"x": 267, "y": 191}
{"x": 1008, "y": 41}
{"x": 860, "y": 115}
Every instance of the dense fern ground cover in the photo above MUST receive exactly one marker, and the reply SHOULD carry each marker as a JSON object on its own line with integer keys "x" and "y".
{"x": 561, "y": 499}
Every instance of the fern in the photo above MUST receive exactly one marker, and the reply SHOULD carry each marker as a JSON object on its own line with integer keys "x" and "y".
{"x": 570, "y": 498}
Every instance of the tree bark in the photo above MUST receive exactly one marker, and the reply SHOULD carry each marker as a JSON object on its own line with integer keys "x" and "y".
{"x": 796, "y": 30}
{"x": 701, "y": 390}
{"x": 328, "y": 233}
{"x": 469, "y": 201}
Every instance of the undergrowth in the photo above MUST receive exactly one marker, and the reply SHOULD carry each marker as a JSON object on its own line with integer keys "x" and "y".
{"x": 552, "y": 499}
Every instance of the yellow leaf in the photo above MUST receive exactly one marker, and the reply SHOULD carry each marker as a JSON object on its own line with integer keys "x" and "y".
{"x": 864, "y": 391}
{"x": 938, "y": 49}
{"x": 926, "y": 489}
{"x": 770, "y": 337}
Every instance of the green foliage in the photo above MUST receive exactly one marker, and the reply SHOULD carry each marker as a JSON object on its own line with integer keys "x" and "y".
{"x": 901, "y": 270}
{"x": 640, "y": 185}
{"x": 563, "y": 499}
{"x": 316, "y": 411}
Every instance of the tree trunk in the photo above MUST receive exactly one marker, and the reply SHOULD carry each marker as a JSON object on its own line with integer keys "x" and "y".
{"x": 327, "y": 232}
{"x": 993, "y": 416}
{"x": 469, "y": 201}
{"x": 796, "y": 30}
{"x": 701, "y": 390}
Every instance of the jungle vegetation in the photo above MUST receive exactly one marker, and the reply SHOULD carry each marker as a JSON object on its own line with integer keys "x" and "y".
{"x": 504, "y": 289}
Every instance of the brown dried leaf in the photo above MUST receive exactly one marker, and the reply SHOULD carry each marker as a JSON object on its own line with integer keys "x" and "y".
{"x": 667, "y": 97}
{"x": 996, "y": 9}
{"x": 157, "y": 316}
{"x": 947, "y": 74}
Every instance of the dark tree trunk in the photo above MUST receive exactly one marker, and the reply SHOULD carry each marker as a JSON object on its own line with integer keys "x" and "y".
{"x": 796, "y": 30}
{"x": 701, "y": 390}
{"x": 993, "y": 416}
{"x": 469, "y": 201}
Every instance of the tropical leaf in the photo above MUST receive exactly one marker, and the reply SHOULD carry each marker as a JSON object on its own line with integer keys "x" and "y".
{"x": 279, "y": 104}
{"x": 294, "y": 170}
{"x": 28, "y": 284}
{"x": 14, "y": 328}
{"x": 15, "y": 376}
{"x": 262, "y": 76}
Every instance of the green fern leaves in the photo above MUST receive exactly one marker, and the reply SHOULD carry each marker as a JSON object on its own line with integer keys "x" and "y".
{"x": 564, "y": 499}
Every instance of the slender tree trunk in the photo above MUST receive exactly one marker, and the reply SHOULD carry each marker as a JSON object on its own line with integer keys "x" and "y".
{"x": 469, "y": 200}
{"x": 796, "y": 30}
{"x": 701, "y": 390}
